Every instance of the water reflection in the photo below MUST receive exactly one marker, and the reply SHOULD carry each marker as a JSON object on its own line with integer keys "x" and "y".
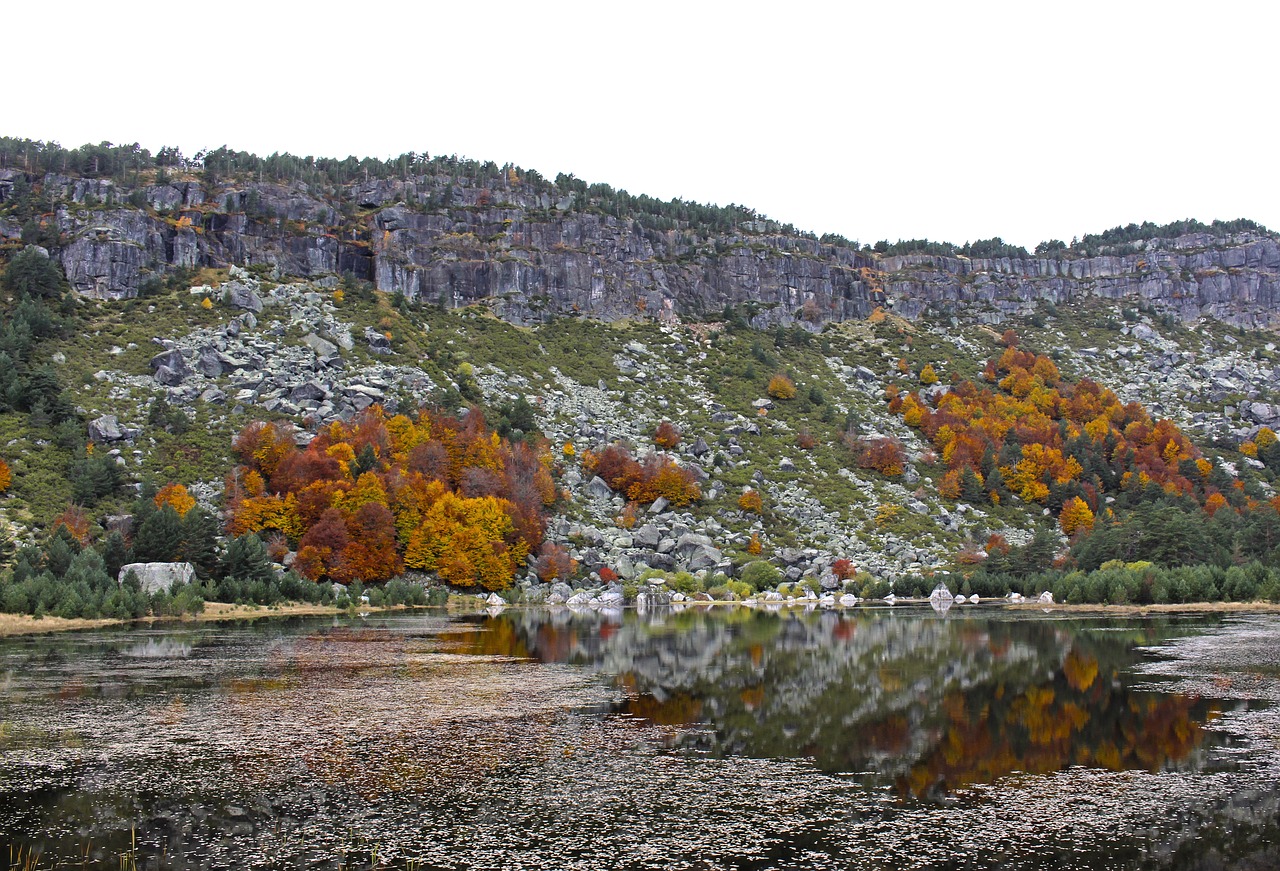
{"x": 928, "y": 706}
{"x": 730, "y": 739}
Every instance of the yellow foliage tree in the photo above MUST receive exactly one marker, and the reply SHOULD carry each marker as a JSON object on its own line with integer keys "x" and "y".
{"x": 1075, "y": 516}
{"x": 928, "y": 375}
{"x": 782, "y": 387}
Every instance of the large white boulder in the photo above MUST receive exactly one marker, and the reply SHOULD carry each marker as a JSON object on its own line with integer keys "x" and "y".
{"x": 155, "y": 577}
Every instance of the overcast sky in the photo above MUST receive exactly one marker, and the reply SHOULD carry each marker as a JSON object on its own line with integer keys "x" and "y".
{"x": 950, "y": 121}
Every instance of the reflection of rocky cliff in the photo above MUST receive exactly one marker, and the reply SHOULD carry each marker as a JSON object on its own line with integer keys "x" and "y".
{"x": 531, "y": 254}
{"x": 928, "y": 704}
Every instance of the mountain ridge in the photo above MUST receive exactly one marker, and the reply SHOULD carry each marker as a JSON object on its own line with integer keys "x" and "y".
{"x": 466, "y": 232}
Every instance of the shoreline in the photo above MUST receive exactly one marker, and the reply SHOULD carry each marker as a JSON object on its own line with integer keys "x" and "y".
{"x": 16, "y": 625}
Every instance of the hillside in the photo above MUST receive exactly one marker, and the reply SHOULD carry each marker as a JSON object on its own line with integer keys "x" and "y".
{"x": 204, "y": 297}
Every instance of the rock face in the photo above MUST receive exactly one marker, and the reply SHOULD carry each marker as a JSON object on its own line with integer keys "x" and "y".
{"x": 530, "y": 256}
{"x": 1233, "y": 279}
{"x": 155, "y": 577}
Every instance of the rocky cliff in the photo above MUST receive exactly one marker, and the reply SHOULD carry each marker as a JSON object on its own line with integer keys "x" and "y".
{"x": 532, "y": 251}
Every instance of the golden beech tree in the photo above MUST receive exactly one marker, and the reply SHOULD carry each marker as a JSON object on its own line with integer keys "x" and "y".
{"x": 1076, "y": 516}
{"x": 177, "y": 496}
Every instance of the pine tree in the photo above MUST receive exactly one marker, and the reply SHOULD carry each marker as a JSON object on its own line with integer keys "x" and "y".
{"x": 159, "y": 538}
{"x": 200, "y": 541}
{"x": 247, "y": 560}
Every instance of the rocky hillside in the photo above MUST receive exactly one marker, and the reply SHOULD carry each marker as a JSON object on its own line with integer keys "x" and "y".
{"x": 207, "y": 298}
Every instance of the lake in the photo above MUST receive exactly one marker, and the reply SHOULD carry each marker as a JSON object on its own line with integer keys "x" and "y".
{"x": 698, "y": 739}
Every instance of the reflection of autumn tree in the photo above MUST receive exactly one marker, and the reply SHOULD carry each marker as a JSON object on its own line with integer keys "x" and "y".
{"x": 858, "y": 694}
{"x": 1071, "y": 720}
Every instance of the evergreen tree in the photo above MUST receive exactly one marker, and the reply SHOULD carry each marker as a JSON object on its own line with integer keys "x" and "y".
{"x": 115, "y": 553}
{"x": 247, "y": 560}
{"x": 200, "y": 541}
{"x": 159, "y": 538}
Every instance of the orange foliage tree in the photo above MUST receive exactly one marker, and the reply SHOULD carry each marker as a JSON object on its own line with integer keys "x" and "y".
{"x": 6, "y": 477}
{"x": 667, "y": 435}
{"x": 177, "y": 496}
{"x": 643, "y": 482}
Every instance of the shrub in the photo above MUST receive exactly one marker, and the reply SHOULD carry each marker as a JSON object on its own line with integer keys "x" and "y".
{"x": 750, "y": 500}
{"x": 554, "y": 563}
{"x": 760, "y": 575}
{"x": 782, "y": 387}
{"x": 667, "y": 435}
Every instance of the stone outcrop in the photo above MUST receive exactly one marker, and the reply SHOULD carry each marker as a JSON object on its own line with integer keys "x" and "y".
{"x": 531, "y": 255}
{"x": 155, "y": 577}
{"x": 1233, "y": 279}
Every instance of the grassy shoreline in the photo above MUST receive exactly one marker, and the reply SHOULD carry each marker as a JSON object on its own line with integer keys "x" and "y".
{"x": 214, "y": 612}
{"x": 13, "y": 625}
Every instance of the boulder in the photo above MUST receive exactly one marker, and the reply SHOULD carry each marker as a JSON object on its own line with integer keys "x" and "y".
{"x": 172, "y": 359}
{"x": 209, "y": 363}
{"x": 155, "y": 577}
{"x": 598, "y": 489}
{"x": 323, "y": 347}
{"x": 105, "y": 429}
{"x": 309, "y": 391}
{"x": 242, "y": 296}
{"x": 378, "y": 342}
{"x": 647, "y": 536}
{"x": 169, "y": 376}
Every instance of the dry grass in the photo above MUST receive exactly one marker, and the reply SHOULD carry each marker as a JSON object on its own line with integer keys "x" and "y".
{"x": 1141, "y": 610}
{"x": 25, "y": 624}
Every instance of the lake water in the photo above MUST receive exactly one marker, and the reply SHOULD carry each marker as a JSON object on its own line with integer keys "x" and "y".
{"x": 876, "y": 738}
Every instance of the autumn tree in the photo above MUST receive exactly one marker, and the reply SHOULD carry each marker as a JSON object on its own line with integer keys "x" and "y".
{"x": 554, "y": 563}
{"x": 177, "y": 496}
{"x": 1076, "y": 516}
{"x": 667, "y": 435}
{"x": 782, "y": 387}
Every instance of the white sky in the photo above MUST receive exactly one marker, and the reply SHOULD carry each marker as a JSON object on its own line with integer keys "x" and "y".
{"x": 951, "y": 121}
